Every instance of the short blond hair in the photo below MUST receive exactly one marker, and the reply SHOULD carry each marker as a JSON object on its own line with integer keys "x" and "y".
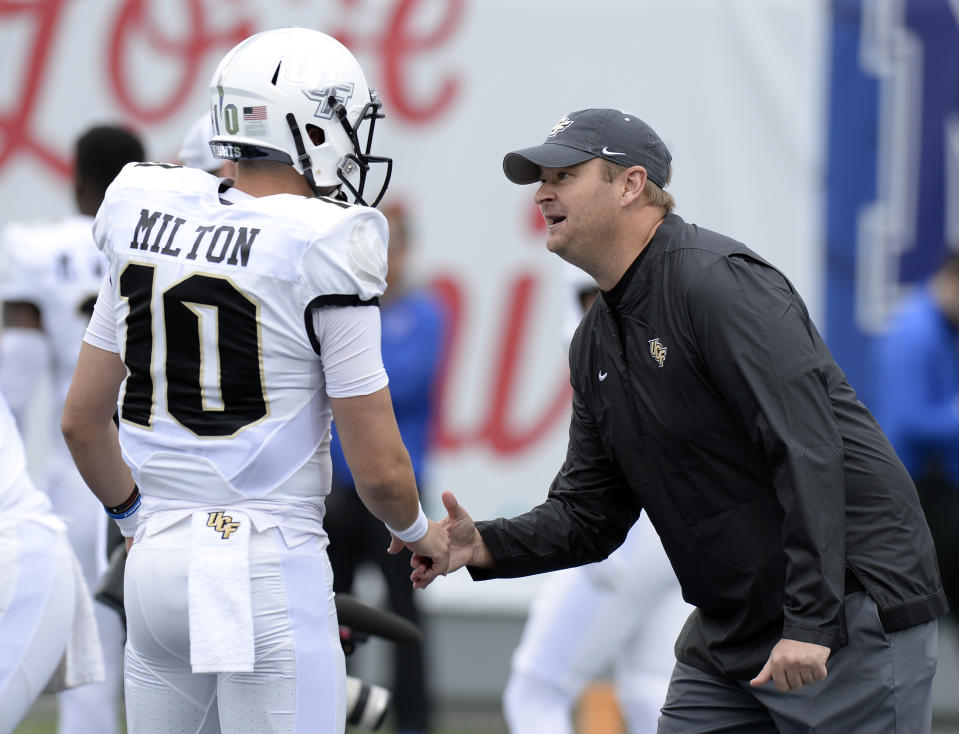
{"x": 655, "y": 196}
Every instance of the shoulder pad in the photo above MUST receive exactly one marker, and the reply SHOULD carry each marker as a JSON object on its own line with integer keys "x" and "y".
{"x": 348, "y": 257}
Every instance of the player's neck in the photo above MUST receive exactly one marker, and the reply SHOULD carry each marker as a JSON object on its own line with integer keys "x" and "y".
{"x": 266, "y": 180}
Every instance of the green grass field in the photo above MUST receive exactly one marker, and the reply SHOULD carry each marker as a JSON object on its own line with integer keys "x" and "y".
{"x": 42, "y": 719}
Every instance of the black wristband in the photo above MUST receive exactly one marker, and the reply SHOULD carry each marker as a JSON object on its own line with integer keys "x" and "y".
{"x": 121, "y": 509}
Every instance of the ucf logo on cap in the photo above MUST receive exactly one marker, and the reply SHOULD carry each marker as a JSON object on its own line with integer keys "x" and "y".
{"x": 564, "y": 123}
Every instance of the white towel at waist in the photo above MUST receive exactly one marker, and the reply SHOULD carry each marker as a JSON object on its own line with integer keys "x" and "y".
{"x": 220, "y": 607}
{"x": 82, "y": 661}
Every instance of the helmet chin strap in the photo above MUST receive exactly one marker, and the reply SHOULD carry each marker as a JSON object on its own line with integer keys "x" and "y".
{"x": 302, "y": 158}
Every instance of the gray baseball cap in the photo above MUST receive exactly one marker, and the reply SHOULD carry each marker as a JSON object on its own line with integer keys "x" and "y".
{"x": 594, "y": 133}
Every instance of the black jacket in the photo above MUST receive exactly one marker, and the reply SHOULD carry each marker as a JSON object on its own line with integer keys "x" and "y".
{"x": 704, "y": 395}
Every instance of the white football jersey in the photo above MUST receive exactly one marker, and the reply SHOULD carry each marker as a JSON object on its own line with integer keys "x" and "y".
{"x": 55, "y": 265}
{"x": 226, "y": 401}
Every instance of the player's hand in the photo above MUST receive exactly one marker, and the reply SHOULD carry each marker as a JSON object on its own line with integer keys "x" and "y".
{"x": 793, "y": 664}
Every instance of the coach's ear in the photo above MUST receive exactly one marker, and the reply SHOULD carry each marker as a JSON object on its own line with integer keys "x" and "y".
{"x": 634, "y": 183}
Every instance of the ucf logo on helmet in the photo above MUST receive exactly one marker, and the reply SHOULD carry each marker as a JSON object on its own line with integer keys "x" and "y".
{"x": 342, "y": 93}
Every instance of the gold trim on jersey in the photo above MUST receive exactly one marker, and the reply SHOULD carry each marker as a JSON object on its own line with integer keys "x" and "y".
{"x": 202, "y": 313}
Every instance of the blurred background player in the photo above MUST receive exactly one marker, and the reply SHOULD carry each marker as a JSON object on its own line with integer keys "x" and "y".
{"x": 917, "y": 404}
{"x": 620, "y": 615}
{"x": 51, "y": 273}
{"x": 195, "y": 150}
{"x": 412, "y": 343}
{"x": 243, "y": 320}
{"x": 47, "y": 630}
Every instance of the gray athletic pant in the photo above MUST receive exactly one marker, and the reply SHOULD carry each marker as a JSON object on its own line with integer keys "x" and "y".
{"x": 879, "y": 682}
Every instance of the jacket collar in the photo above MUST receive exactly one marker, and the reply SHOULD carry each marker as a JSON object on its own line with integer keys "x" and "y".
{"x": 632, "y": 285}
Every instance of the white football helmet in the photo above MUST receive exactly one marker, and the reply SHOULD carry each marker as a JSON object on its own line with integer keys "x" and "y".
{"x": 270, "y": 89}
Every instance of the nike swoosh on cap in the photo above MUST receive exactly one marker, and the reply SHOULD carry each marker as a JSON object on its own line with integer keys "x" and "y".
{"x": 607, "y": 151}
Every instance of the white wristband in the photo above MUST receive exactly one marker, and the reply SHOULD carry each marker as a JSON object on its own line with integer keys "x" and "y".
{"x": 127, "y": 525}
{"x": 414, "y": 532}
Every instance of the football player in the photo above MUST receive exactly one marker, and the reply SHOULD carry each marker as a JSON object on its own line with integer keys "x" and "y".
{"x": 236, "y": 320}
{"x": 51, "y": 272}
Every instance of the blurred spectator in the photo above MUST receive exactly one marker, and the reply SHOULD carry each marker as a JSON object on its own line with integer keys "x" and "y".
{"x": 51, "y": 274}
{"x": 917, "y": 404}
{"x": 195, "y": 150}
{"x": 413, "y": 332}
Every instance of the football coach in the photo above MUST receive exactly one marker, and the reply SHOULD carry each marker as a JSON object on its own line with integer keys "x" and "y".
{"x": 704, "y": 396}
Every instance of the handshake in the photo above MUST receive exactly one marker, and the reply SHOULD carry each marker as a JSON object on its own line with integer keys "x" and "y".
{"x": 448, "y": 545}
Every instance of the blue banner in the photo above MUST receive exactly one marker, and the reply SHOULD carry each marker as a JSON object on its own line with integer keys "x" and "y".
{"x": 892, "y": 151}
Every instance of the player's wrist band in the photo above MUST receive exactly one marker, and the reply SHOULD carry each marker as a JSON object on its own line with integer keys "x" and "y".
{"x": 124, "y": 514}
{"x": 126, "y": 508}
{"x": 414, "y": 532}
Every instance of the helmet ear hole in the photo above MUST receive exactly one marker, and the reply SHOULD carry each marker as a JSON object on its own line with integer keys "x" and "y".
{"x": 317, "y": 136}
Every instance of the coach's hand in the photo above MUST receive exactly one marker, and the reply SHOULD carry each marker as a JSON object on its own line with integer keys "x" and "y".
{"x": 467, "y": 547}
{"x": 431, "y": 553}
{"x": 793, "y": 664}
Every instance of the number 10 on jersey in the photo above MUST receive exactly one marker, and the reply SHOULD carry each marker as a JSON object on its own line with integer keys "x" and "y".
{"x": 212, "y": 372}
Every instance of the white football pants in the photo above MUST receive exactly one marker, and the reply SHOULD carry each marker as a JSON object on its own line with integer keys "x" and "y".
{"x": 298, "y": 685}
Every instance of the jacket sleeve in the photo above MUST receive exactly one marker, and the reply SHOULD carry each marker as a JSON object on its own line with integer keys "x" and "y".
{"x": 765, "y": 358}
{"x": 586, "y": 516}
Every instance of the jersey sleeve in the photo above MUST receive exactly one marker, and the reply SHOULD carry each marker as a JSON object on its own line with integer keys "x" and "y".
{"x": 349, "y": 341}
{"x": 346, "y": 263}
{"x": 102, "y": 331}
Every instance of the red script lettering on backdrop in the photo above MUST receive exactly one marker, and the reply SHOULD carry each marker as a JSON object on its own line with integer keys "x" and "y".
{"x": 399, "y": 44}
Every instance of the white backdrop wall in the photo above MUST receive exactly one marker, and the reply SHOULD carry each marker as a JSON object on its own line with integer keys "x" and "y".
{"x": 734, "y": 87}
